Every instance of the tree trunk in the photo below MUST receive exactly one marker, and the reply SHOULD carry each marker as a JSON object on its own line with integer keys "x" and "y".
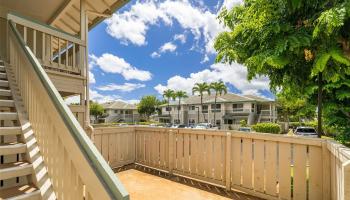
{"x": 169, "y": 111}
{"x": 319, "y": 105}
{"x": 216, "y": 95}
{"x": 202, "y": 108}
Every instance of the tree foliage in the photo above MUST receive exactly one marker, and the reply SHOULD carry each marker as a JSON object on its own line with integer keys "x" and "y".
{"x": 294, "y": 43}
{"x": 219, "y": 89}
{"x": 168, "y": 95}
{"x": 96, "y": 110}
{"x": 201, "y": 89}
{"x": 148, "y": 105}
{"x": 179, "y": 95}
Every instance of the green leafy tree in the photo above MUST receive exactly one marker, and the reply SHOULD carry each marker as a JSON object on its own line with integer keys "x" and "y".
{"x": 294, "y": 108}
{"x": 302, "y": 46}
{"x": 168, "y": 95}
{"x": 148, "y": 105}
{"x": 96, "y": 110}
{"x": 201, "y": 88}
{"x": 219, "y": 89}
{"x": 179, "y": 95}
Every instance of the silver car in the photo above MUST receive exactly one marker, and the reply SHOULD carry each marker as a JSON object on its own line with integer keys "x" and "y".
{"x": 306, "y": 131}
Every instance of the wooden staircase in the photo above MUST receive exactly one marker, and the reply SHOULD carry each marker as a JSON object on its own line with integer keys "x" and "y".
{"x": 17, "y": 175}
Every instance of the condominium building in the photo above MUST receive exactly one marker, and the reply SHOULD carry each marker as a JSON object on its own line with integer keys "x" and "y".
{"x": 119, "y": 111}
{"x": 229, "y": 110}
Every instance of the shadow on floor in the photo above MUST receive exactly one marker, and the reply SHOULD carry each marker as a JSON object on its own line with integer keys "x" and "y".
{"x": 235, "y": 195}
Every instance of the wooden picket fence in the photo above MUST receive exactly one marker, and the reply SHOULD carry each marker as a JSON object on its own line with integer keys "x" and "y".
{"x": 264, "y": 165}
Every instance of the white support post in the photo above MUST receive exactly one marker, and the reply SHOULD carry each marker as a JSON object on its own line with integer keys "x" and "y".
{"x": 84, "y": 36}
{"x": 228, "y": 162}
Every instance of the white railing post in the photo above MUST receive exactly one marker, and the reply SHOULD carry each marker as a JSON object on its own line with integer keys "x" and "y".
{"x": 326, "y": 171}
{"x": 228, "y": 161}
{"x": 346, "y": 173}
{"x": 171, "y": 151}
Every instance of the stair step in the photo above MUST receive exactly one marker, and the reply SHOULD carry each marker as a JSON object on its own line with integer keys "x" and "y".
{"x": 15, "y": 130}
{"x": 4, "y": 83}
{"x": 2, "y": 69}
{"x": 26, "y": 192}
{"x": 15, "y": 169}
{"x": 3, "y": 76}
{"x": 12, "y": 148}
{"x": 8, "y": 116}
{"x": 6, "y": 93}
{"x": 7, "y": 103}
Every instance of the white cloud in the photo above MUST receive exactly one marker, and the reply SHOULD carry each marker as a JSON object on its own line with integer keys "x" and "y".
{"x": 72, "y": 100}
{"x": 91, "y": 78}
{"x": 228, "y": 4}
{"x": 235, "y": 75}
{"x": 131, "y": 26}
{"x": 167, "y": 47}
{"x": 126, "y": 87}
{"x": 180, "y": 37}
{"x": 100, "y": 98}
{"x": 113, "y": 64}
{"x": 155, "y": 55}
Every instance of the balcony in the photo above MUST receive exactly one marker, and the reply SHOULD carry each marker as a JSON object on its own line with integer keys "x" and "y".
{"x": 239, "y": 110}
{"x": 261, "y": 165}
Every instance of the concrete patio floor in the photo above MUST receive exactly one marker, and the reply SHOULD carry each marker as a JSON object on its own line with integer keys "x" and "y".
{"x": 145, "y": 186}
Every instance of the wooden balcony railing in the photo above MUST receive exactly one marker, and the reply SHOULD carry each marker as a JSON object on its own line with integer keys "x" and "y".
{"x": 75, "y": 167}
{"x": 264, "y": 165}
{"x": 56, "y": 50}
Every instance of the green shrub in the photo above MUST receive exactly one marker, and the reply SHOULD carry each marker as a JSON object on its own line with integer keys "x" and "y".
{"x": 294, "y": 125}
{"x": 243, "y": 123}
{"x": 267, "y": 128}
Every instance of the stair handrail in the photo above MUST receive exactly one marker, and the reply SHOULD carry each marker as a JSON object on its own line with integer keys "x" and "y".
{"x": 111, "y": 183}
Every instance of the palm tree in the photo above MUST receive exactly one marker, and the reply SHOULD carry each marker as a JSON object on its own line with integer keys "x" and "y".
{"x": 179, "y": 95}
{"x": 168, "y": 94}
{"x": 219, "y": 88}
{"x": 201, "y": 88}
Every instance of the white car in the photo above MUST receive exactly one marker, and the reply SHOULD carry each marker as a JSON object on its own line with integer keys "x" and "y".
{"x": 203, "y": 126}
{"x": 306, "y": 131}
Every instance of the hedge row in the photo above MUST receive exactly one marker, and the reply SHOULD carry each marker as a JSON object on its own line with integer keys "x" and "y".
{"x": 267, "y": 128}
{"x": 309, "y": 124}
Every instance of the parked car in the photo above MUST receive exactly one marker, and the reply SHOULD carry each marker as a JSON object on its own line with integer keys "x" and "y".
{"x": 203, "y": 126}
{"x": 168, "y": 125}
{"x": 123, "y": 124}
{"x": 305, "y": 131}
{"x": 245, "y": 129}
{"x": 178, "y": 126}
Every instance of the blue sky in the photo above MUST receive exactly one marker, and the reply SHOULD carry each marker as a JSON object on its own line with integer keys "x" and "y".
{"x": 149, "y": 46}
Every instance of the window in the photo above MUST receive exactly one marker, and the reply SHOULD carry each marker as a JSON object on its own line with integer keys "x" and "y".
{"x": 216, "y": 108}
{"x": 115, "y": 111}
{"x": 122, "y": 112}
{"x": 237, "y": 107}
{"x": 205, "y": 109}
{"x": 176, "y": 121}
{"x": 128, "y": 112}
{"x": 192, "y": 107}
{"x": 191, "y": 121}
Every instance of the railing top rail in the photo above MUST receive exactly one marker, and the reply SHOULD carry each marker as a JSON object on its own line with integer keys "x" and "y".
{"x": 39, "y": 26}
{"x": 234, "y": 134}
{"x": 107, "y": 177}
{"x": 339, "y": 151}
